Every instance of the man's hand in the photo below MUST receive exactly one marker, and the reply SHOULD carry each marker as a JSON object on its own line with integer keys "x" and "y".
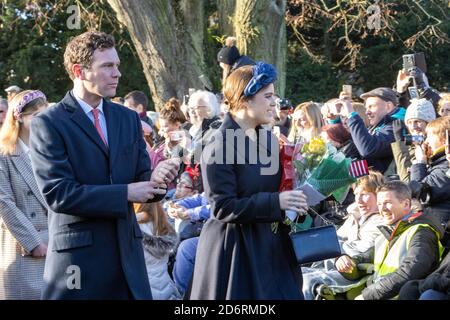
{"x": 420, "y": 153}
{"x": 166, "y": 171}
{"x": 39, "y": 251}
{"x": 419, "y": 77}
{"x": 143, "y": 191}
{"x": 346, "y": 102}
{"x": 345, "y": 264}
{"x": 403, "y": 81}
{"x": 398, "y": 126}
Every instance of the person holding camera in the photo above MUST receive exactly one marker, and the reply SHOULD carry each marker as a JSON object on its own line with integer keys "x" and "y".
{"x": 430, "y": 168}
{"x": 282, "y": 118}
{"x": 373, "y": 143}
{"x": 419, "y": 113}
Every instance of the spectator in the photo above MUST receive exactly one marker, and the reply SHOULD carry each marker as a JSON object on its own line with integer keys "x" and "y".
{"x": 307, "y": 122}
{"x": 374, "y": 143}
{"x": 283, "y": 108}
{"x": 407, "y": 249}
{"x": 11, "y": 91}
{"x": 444, "y": 105}
{"x": 204, "y": 112}
{"x": 356, "y": 235}
{"x": 138, "y": 101}
{"x": 418, "y": 115}
{"x": 23, "y": 211}
{"x": 159, "y": 240}
{"x": 230, "y": 59}
{"x": 3, "y": 110}
{"x": 340, "y": 137}
{"x": 430, "y": 169}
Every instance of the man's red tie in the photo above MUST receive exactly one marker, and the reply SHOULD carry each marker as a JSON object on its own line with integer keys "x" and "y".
{"x": 97, "y": 125}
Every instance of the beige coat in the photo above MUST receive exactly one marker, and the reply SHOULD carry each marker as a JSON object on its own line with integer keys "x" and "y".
{"x": 23, "y": 226}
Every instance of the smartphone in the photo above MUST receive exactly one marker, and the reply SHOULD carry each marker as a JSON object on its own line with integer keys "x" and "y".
{"x": 414, "y": 60}
{"x": 176, "y": 135}
{"x": 347, "y": 88}
{"x": 413, "y": 93}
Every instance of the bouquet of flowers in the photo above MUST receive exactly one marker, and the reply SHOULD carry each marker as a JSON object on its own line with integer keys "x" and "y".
{"x": 317, "y": 169}
{"x": 321, "y": 170}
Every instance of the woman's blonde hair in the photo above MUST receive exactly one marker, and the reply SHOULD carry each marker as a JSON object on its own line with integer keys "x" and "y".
{"x": 10, "y": 129}
{"x": 445, "y": 98}
{"x": 314, "y": 117}
{"x": 371, "y": 182}
{"x": 439, "y": 126}
{"x": 154, "y": 212}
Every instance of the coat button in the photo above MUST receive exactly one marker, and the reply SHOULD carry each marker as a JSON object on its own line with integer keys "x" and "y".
{"x": 33, "y": 214}
{"x": 29, "y": 193}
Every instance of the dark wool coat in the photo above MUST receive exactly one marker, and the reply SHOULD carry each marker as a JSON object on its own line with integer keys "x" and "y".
{"x": 239, "y": 257}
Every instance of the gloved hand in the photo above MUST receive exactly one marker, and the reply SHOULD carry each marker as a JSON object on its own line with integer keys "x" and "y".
{"x": 399, "y": 129}
{"x": 419, "y": 77}
{"x": 435, "y": 281}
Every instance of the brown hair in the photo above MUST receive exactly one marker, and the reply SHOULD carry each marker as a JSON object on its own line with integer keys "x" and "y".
{"x": 80, "y": 50}
{"x": 371, "y": 182}
{"x": 399, "y": 188}
{"x": 172, "y": 111}
{"x": 154, "y": 213}
{"x": 233, "y": 89}
{"x": 138, "y": 97}
{"x": 10, "y": 129}
{"x": 438, "y": 126}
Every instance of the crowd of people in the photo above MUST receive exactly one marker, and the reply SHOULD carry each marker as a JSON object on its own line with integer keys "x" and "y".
{"x": 100, "y": 199}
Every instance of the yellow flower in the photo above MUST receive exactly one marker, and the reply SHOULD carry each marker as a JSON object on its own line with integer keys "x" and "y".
{"x": 317, "y": 146}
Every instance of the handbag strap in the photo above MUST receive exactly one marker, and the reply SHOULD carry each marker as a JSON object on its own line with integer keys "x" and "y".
{"x": 327, "y": 222}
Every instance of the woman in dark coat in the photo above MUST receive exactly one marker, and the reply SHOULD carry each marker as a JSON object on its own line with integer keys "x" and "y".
{"x": 239, "y": 256}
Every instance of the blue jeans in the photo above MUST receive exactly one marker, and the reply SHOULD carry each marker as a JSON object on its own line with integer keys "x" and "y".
{"x": 184, "y": 263}
{"x": 431, "y": 294}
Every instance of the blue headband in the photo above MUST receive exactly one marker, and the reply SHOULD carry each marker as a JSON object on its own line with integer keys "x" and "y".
{"x": 263, "y": 75}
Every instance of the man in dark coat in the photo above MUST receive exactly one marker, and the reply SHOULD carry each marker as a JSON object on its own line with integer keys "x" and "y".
{"x": 374, "y": 143}
{"x": 90, "y": 163}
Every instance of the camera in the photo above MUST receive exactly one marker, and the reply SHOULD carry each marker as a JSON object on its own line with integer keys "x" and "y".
{"x": 413, "y": 139}
{"x": 414, "y": 60}
{"x": 176, "y": 135}
{"x": 283, "y": 104}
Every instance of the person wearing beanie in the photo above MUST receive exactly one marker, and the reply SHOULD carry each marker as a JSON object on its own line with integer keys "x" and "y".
{"x": 418, "y": 114}
{"x": 230, "y": 59}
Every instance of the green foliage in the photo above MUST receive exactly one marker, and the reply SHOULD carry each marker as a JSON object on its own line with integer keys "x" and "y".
{"x": 32, "y": 49}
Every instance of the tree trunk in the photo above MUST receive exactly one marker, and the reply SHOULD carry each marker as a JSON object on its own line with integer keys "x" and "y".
{"x": 260, "y": 29}
{"x": 168, "y": 36}
{"x": 225, "y": 9}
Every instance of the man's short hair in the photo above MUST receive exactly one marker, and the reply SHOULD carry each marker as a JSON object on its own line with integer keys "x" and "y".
{"x": 399, "y": 188}
{"x": 138, "y": 98}
{"x": 80, "y": 50}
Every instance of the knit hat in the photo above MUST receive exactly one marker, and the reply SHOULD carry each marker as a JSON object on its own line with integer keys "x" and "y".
{"x": 421, "y": 109}
{"x": 337, "y": 132}
{"x": 228, "y": 55}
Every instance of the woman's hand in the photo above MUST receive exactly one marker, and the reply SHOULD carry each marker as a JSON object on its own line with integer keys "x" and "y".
{"x": 420, "y": 153}
{"x": 293, "y": 200}
{"x": 39, "y": 251}
{"x": 345, "y": 264}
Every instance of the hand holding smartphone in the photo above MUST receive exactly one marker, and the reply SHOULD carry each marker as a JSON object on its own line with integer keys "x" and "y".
{"x": 176, "y": 136}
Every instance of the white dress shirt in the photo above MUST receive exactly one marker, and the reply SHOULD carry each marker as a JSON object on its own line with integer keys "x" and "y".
{"x": 88, "y": 110}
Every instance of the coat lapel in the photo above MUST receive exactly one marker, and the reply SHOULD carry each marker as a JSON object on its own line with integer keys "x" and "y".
{"x": 82, "y": 120}
{"x": 113, "y": 126}
{"x": 23, "y": 166}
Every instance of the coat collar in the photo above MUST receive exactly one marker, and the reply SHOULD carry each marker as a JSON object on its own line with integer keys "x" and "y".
{"x": 22, "y": 163}
{"x": 82, "y": 120}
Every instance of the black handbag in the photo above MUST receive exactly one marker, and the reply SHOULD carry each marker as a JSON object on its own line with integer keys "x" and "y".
{"x": 316, "y": 244}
